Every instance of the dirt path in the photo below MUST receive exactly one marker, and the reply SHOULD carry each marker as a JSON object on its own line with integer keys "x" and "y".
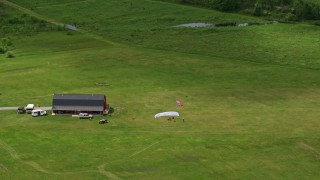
{"x": 8, "y": 108}
{"x": 53, "y": 21}
{"x": 16, "y": 107}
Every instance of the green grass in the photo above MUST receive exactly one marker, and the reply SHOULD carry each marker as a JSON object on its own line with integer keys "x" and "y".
{"x": 250, "y": 95}
{"x": 149, "y": 24}
{"x": 313, "y": 1}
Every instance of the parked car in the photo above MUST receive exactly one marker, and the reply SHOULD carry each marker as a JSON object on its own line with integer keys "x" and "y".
{"x": 38, "y": 112}
{"x": 85, "y": 116}
{"x": 29, "y": 108}
{"x": 21, "y": 110}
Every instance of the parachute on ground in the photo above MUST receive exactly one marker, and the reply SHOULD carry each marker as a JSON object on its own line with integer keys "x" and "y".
{"x": 169, "y": 113}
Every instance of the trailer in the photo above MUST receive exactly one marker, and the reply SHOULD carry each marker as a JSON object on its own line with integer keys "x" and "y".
{"x": 38, "y": 112}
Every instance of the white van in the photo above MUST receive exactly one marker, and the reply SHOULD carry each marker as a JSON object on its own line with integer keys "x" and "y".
{"x": 38, "y": 112}
{"x": 29, "y": 108}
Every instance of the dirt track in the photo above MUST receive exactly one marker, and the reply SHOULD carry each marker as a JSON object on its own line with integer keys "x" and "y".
{"x": 15, "y": 108}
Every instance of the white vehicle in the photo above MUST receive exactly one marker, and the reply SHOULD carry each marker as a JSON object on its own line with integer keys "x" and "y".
{"x": 29, "y": 108}
{"x": 85, "y": 116}
{"x": 38, "y": 112}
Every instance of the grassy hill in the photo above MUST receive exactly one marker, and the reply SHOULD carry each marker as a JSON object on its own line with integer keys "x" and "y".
{"x": 250, "y": 94}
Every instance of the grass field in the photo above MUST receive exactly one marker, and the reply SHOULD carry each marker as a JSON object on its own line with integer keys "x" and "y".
{"x": 250, "y": 95}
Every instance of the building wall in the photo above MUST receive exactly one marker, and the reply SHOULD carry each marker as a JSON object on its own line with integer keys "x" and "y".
{"x": 58, "y": 112}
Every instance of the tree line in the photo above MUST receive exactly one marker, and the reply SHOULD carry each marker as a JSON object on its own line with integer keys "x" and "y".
{"x": 295, "y": 9}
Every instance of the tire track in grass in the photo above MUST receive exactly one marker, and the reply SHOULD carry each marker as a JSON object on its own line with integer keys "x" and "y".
{"x": 145, "y": 148}
{"x": 113, "y": 176}
{"x": 101, "y": 169}
{"x": 36, "y": 166}
{"x": 149, "y": 146}
{"x": 13, "y": 153}
{"x": 10, "y": 150}
{"x": 3, "y": 167}
{"x": 107, "y": 173}
{"x": 53, "y": 21}
{"x": 309, "y": 149}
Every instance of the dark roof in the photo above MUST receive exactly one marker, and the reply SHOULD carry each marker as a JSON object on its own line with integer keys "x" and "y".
{"x": 78, "y": 102}
{"x": 78, "y": 108}
{"x": 79, "y": 96}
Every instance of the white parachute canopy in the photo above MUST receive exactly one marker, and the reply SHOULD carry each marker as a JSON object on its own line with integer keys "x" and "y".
{"x": 170, "y": 113}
